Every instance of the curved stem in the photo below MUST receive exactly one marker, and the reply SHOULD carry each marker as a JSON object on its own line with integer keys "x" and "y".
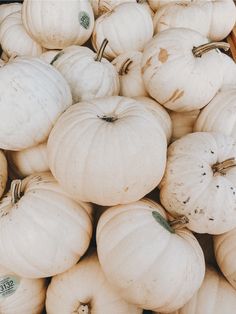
{"x": 200, "y": 50}
{"x": 57, "y": 56}
{"x": 179, "y": 222}
{"x": 125, "y": 67}
{"x": 220, "y": 167}
{"x": 101, "y": 50}
{"x": 16, "y": 190}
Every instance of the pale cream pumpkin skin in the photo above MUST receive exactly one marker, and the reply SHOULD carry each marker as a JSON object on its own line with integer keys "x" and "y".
{"x": 157, "y": 4}
{"x": 182, "y": 123}
{"x": 229, "y": 80}
{"x": 215, "y": 296}
{"x": 87, "y": 77}
{"x": 23, "y": 295}
{"x": 28, "y": 161}
{"x": 200, "y": 181}
{"x": 219, "y": 115}
{"x": 225, "y": 253}
{"x": 160, "y": 113}
{"x": 49, "y": 55}
{"x": 169, "y": 57}
{"x": 84, "y": 289}
{"x": 8, "y": 8}
{"x": 128, "y": 66}
{"x": 14, "y": 38}
{"x": 122, "y": 35}
{"x": 57, "y": 24}
{"x": 3, "y": 172}
{"x": 213, "y": 19}
{"x": 135, "y": 252}
{"x": 103, "y": 6}
{"x": 50, "y": 231}
{"x": 92, "y": 157}
{"x": 33, "y": 95}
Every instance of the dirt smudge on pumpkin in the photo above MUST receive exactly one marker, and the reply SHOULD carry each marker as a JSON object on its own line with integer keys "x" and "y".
{"x": 175, "y": 96}
{"x": 148, "y": 63}
{"x": 163, "y": 55}
{"x": 126, "y": 189}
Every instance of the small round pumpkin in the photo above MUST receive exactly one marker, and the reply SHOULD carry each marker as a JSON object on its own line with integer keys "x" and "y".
{"x": 8, "y": 8}
{"x": 3, "y": 173}
{"x": 33, "y": 95}
{"x": 88, "y": 74}
{"x": 198, "y": 65}
{"x": 58, "y": 24}
{"x": 50, "y": 231}
{"x": 28, "y": 161}
{"x": 225, "y": 253}
{"x": 215, "y": 296}
{"x": 122, "y": 35}
{"x": 21, "y": 295}
{"x": 200, "y": 181}
{"x": 136, "y": 249}
{"x": 219, "y": 115}
{"x": 15, "y": 40}
{"x": 84, "y": 289}
{"x": 182, "y": 123}
{"x": 213, "y": 19}
{"x": 108, "y": 150}
{"x": 128, "y": 66}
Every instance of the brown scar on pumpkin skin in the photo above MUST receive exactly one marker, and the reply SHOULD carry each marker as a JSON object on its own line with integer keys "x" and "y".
{"x": 176, "y": 95}
{"x": 163, "y": 55}
{"x": 148, "y": 63}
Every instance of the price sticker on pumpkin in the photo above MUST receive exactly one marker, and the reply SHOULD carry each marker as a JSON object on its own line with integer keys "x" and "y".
{"x": 84, "y": 19}
{"x": 8, "y": 285}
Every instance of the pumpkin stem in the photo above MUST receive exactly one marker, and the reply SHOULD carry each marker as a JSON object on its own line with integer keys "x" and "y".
{"x": 57, "y": 56}
{"x": 179, "y": 222}
{"x": 162, "y": 221}
{"x": 200, "y": 50}
{"x": 125, "y": 67}
{"x": 16, "y": 190}
{"x": 141, "y": 1}
{"x": 108, "y": 118}
{"x": 83, "y": 309}
{"x": 101, "y": 50}
{"x": 220, "y": 167}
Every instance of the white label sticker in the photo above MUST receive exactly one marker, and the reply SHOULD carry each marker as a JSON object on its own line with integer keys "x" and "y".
{"x": 8, "y": 285}
{"x": 84, "y": 19}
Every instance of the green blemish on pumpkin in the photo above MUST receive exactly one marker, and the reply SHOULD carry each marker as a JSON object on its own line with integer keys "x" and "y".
{"x": 162, "y": 221}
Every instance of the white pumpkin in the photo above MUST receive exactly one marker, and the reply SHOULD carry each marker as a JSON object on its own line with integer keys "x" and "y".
{"x": 219, "y": 115}
{"x": 88, "y": 74}
{"x": 215, "y": 296}
{"x": 122, "y": 34}
{"x": 103, "y": 6}
{"x": 200, "y": 181}
{"x": 28, "y": 161}
{"x": 136, "y": 249}
{"x": 8, "y": 8}
{"x": 182, "y": 123}
{"x": 3, "y": 173}
{"x": 84, "y": 289}
{"x": 108, "y": 151}
{"x": 33, "y": 95}
{"x": 50, "y": 231}
{"x": 160, "y": 113}
{"x": 128, "y": 66}
{"x": 194, "y": 72}
{"x": 57, "y": 24}
{"x": 15, "y": 40}
{"x": 225, "y": 253}
{"x": 49, "y": 55}
{"x": 213, "y": 19}
{"x": 21, "y": 295}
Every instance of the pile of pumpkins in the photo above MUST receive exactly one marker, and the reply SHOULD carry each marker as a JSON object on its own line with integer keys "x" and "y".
{"x": 118, "y": 157}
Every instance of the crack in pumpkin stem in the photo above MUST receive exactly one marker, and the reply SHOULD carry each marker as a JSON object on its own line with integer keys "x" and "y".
{"x": 16, "y": 191}
{"x": 125, "y": 67}
{"x": 101, "y": 50}
{"x": 220, "y": 167}
{"x": 200, "y": 50}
